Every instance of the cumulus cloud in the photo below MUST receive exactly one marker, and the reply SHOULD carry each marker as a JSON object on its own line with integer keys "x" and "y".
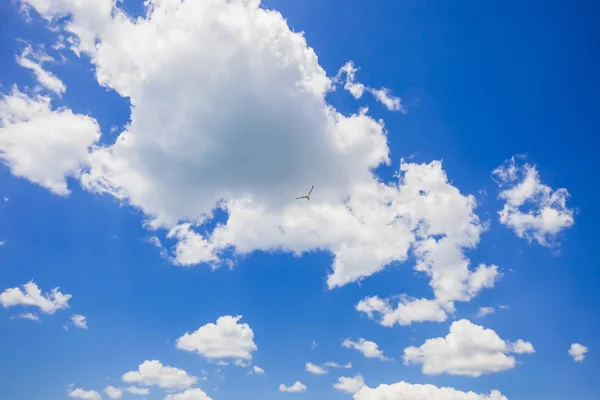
{"x": 189, "y": 394}
{"x": 366, "y": 347}
{"x": 315, "y": 369}
{"x": 83, "y": 394}
{"x": 577, "y": 351}
{"x": 295, "y": 388}
{"x": 407, "y": 391}
{"x": 469, "y": 350}
{"x": 42, "y": 144}
{"x": 153, "y": 373}
{"x": 532, "y": 209}
{"x": 113, "y": 392}
{"x": 350, "y": 384}
{"x": 32, "y": 296}
{"x": 407, "y": 310}
{"x": 79, "y": 321}
{"x": 34, "y": 61}
{"x": 227, "y": 339}
{"x": 255, "y": 85}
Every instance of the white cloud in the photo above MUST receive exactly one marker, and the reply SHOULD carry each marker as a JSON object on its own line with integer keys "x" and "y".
{"x": 315, "y": 369}
{"x": 169, "y": 160}
{"x": 151, "y": 373}
{"x": 350, "y": 385}
{"x": 577, "y": 351}
{"x": 258, "y": 370}
{"x": 79, "y": 321}
{"x": 407, "y": 311}
{"x": 532, "y": 210}
{"x": 80, "y": 393}
{"x": 34, "y": 61}
{"x": 224, "y": 340}
{"x": 29, "y": 316}
{"x": 189, "y": 394}
{"x": 483, "y": 311}
{"x": 366, "y": 347}
{"x": 313, "y": 345}
{"x": 407, "y": 391}
{"x": 357, "y": 89}
{"x": 32, "y": 296}
{"x": 113, "y": 392}
{"x": 468, "y": 349}
{"x": 332, "y": 364}
{"x": 41, "y": 144}
{"x": 295, "y": 388}
{"x": 137, "y": 390}
{"x": 384, "y": 96}
{"x": 522, "y": 347}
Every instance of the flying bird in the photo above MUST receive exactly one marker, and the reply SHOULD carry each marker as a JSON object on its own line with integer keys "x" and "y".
{"x": 307, "y": 195}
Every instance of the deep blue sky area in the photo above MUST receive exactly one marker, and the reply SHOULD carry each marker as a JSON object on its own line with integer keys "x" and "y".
{"x": 481, "y": 82}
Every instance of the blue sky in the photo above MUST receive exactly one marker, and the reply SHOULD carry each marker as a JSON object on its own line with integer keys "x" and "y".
{"x": 478, "y": 84}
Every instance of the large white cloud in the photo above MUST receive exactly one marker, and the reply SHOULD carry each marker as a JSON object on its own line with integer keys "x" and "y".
{"x": 229, "y": 110}
{"x": 227, "y": 339}
{"x": 42, "y": 144}
{"x": 532, "y": 210}
{"x": 153, "y": 372}
{"x": 32, "y": 296}
{"x": 407, "y": 391}
{"x": 468, "y": 349}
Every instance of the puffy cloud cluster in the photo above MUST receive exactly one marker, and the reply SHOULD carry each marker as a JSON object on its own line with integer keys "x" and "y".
{"x": 350, "y": 384}
{"x": 229, "y": 110}
{"x": 32, "y": 296}
{"x": 532, "y": 209}
{"x": 227, "y": 339}
{"x": 154, "y": 373}
{"x": 468, "y": 349}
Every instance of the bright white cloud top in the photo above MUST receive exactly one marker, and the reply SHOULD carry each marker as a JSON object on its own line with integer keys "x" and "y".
{"x": 154, "y": 373}
{"x": 468, "y": 349}
{"x": 578, "y": 351}
{"x": 532, "y": 210}
{"x": 113, "y": 392}
{"x": 407, "y": 391}
{"x": 315, "y": 369}
{"x": 32, "y": 296}
{"x": 295, "y": 388}
{"x": 79, "y": 321}
{"x": 227, "y": 339}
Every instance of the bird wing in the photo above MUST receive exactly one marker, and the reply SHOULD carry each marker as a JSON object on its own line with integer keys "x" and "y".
{"x": 301, "y": 197}
{"x": 310, "y": 191}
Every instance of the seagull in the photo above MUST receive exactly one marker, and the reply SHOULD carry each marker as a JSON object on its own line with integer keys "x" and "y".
{"x": 307, "y": 195}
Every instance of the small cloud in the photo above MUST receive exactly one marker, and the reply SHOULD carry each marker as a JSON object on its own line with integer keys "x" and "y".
{"x": 577, "y": 351}
{"x": 79, "y": 321}
{"x": 313, "y": 345}
{"x": 295, "y": 388}
{"x": 29, "y": 316}
{"x": 258, "y": 370}
{"x": 483, "y": 311}
{"x": 315, "y": 369}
